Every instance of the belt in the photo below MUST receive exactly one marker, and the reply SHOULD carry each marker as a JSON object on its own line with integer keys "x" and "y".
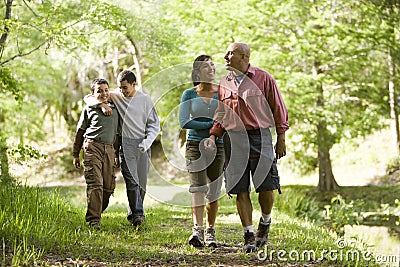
{"x": 96, "y": 141}
{"x": 254, "y": 132}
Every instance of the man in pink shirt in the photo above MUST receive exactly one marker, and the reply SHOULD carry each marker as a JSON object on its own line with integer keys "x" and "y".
{"x": 249, "y": 104}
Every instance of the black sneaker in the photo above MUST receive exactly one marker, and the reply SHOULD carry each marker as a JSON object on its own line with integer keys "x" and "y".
{"x": 138, "y": 220}
{"x": 262, "y": 233}
{"x": 249, "y": 242}
{"x": 197, "y": 237}
{"x": 95, "y": 225}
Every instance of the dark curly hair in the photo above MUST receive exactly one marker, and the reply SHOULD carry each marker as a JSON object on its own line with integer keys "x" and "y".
{"x": 96, "y": 82}
{"x": 196, "y": 68}
{"x": 126, "y": 75}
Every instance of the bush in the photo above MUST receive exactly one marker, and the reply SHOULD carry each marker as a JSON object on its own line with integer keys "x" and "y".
{"x": 341, "y": 213}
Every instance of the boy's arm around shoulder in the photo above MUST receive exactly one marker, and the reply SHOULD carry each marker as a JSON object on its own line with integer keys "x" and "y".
{"x": 92, "y": 102}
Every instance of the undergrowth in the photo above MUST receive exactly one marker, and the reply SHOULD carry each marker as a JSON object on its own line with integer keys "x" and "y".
{"x": 41, "y": 228}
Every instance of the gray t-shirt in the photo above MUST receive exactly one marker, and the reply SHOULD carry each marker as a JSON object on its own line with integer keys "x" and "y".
{"x": 97, "y": 126}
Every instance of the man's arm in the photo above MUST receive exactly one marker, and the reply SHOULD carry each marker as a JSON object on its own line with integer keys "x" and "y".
{"x": 281, "y": 117}
{"x": 278, "y": 107}
{"x": 217, "y": 130}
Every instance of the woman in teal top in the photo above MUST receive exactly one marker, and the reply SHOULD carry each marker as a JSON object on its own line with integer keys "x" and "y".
{"x": 196, "y": 114}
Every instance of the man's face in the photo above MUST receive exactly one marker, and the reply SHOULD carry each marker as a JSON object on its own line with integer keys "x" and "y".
{"x": 234, "y": 58}
{"x": 127, "y": 89}
{"x": 101, "y": 92}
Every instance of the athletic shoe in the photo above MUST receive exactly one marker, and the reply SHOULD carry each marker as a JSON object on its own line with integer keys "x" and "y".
{"x": 196, "y": 239}
{"x": 138, "y": 220}
{"x": 262, "y": 233}
{"x": 209, "y": 238}
{"x": 95, "y": 225}
{"x": 249, "y": 242}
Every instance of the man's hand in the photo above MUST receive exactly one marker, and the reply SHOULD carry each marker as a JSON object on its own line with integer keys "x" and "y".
{"x": 105, "y": 109}
{"x": 209, "y": 143}
{"x": 76, "y": 163}
{"x": 116, "y": 162}
{"x": 280, "y": 146}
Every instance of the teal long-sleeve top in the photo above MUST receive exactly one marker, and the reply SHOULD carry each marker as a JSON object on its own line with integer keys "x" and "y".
{"x": 196, "y": 115}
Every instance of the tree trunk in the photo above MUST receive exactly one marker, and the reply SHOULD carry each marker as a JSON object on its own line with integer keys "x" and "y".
{"x": 326, "y": 180}
{"x": 4, "y": 35}
{"x": 136, "y": 56}
{"x": 138, "y": 69}
{"x": 394, "y": 113}
{"x": 4, "y": 168}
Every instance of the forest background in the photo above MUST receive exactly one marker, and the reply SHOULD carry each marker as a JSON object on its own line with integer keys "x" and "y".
{"x": 335, "y": 62}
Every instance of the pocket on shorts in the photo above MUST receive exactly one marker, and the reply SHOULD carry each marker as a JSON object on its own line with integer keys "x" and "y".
{"x": 192, "y": 151}
{"x": 275, "y": 179}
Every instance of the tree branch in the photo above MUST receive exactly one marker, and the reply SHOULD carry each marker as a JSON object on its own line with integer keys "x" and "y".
{"x": 23, "y": 54}
{"x": 4, "y": 36}
{"x": 20, "y": 54}
{"x": 33, "y": 12}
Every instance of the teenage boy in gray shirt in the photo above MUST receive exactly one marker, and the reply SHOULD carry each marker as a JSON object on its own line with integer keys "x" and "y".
{"x": 140, "y": 127}
{"x": 97, "y": 133}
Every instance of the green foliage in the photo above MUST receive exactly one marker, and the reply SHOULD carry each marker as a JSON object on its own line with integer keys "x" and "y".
{"x": 53, "y": 49}
{"x": 9, "y": 85}
{"x": 296, "y": 203}
{"x": 350, "y": 100}
{"x": 305, "y": 46}
{"x": 23, "y": 153}
{"x": 341, "y": 213}
{"x": 32, "y": 221}
{"x": 393, "y": 165}
{"x": 329, "y": 59}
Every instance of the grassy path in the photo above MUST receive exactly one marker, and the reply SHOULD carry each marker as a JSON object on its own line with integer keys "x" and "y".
{"x": 42, "y": 228}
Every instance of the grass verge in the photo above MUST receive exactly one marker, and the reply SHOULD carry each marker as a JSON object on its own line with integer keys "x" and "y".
{"x": 42, "y": 228}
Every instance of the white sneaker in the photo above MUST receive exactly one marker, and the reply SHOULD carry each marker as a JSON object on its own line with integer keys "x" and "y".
{"x": 197, "y": 237}
{"x": 209, "y": 237}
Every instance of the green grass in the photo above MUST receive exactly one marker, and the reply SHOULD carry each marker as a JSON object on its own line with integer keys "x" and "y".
{"x": 41, "y": 227}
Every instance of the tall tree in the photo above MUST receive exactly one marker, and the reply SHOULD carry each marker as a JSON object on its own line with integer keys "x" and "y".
{"x": 334, "y": 58}
{"x": 385, "y": 39}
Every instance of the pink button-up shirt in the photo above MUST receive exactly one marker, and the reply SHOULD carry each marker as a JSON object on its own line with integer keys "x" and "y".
{"x": 254, "y": 103}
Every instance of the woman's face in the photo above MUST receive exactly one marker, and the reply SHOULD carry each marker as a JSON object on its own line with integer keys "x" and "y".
{"x": 207, "y": 71}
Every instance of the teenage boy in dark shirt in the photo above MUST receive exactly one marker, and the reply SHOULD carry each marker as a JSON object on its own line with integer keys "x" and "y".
{"x": 98, "y": 134}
